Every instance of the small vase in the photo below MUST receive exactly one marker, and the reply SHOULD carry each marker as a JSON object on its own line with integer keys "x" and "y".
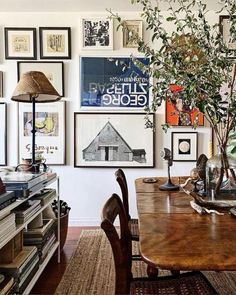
{"x": 220, "y": 176}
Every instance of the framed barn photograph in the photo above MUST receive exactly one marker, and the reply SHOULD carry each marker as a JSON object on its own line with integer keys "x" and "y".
{"x": 109, "y": 140}
{"x": 20, "y": 43}
{"x": 3, "y": 134}
{"x": 55, "y": 42}
{"x": 97, "y": 33}
{"x": 184, "y": 146}
{"x": 50, "y": 131}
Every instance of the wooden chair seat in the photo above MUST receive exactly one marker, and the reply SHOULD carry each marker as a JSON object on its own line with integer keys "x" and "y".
{"x": 134, "y": 229}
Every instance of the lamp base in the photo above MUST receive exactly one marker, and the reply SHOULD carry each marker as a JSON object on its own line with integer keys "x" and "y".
{"x": 168, "y": 186}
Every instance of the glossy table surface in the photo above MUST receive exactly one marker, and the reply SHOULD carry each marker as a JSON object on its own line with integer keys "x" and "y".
{"x": 173, "y": 236}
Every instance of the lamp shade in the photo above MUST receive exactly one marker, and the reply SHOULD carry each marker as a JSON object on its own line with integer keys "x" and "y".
{"x": 35, "y": 85}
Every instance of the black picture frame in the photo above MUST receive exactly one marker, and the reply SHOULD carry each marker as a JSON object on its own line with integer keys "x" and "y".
{"x": 20, "y": 43}
{"x": 55, "y": 42}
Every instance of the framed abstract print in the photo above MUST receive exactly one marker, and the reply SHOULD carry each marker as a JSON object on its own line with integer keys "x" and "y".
{"x": 3, "y": 134}
{"x": 50, "y": 131}
{"x": 107, "y": 140}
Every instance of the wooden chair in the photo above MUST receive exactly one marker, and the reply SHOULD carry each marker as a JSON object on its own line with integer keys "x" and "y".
{"x": 191, "y": 283}
{"x": 133, "y": 223}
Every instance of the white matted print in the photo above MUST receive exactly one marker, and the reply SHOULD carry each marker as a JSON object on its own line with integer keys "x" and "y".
{"x": 3, "y": 134}
{"x": 184, "y": 146}
{"x": 97, "y": 33}
{"x": 50, "y": 131}
{"x": 113, "y": 140}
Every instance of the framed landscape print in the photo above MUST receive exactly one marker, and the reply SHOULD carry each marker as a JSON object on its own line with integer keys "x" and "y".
{"x": 113, "y": 83}
{"x": 225, "y": 31}
{"x": 3, "y": 134}
{"x": 53, "y": 70}
{"x": 55, "y": 42}
{"x": 50, "y": 131}
{"x": 184, "y": 146}
{"x": 133, "y": 30}
{"x": 97, "y": 33}
{"x": 20, "y": 43}
{"x": 107, "y": 140}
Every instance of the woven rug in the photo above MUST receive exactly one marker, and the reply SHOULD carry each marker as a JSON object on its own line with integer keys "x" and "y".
{"x": 91, "y": 270}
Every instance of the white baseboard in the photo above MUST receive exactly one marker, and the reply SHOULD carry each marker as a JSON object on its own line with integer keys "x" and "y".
{"x": 84, "y": 221}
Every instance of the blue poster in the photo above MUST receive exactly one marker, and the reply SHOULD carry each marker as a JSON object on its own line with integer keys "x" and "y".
{"x": 113, "y": 82}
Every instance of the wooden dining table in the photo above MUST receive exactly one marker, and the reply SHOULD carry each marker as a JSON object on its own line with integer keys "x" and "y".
{"x": 174, "y": 236}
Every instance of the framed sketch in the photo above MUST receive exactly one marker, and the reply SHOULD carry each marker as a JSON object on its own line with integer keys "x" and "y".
{"x": 55, "y": 42}
{"x": 184, "y": 146}
{"x": 20, "y": 43}
{"x": 132, "y": 32}
{"x": 53, "y": 70}
{"x": 107, "y": 140}
{"x": 3, "y": 134}
{"x": 50, "y": 131}
{"x": 179, "y": 115}
{"x": 97, "y": 33}
{"x": 116, "y": 83}
{"x": 225, "y": 31}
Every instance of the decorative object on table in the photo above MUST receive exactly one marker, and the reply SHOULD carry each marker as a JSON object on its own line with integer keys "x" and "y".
{"x": 200, "y": 62}
{"x": 168, "y": 186}
{"x": 133, "y": 30}
{"x": 34, "y": 87}
{"x": 3, "y": 134}
{"x": 20, "y": 43}
{"x": 55, "y": 42}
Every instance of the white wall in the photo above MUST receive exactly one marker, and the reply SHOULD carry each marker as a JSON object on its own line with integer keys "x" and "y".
{"x": 85, "y": 189}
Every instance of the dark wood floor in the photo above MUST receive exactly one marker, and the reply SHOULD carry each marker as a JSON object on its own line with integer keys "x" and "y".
{"x": 53, "y": 272}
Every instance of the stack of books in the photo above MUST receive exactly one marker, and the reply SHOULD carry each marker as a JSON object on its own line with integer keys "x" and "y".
{"x": 7, "y": 226}
{"x": 23, "y": 267}
{"x": 43, "y": 238}
{"x": 6, "y": 284}
{"x": 26, "y": 210}
{"x": 6, "y": 199}
{"x": 46, "y": 196}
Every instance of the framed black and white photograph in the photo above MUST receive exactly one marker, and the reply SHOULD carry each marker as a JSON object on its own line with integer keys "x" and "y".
{"x": 53, "y": 70}
{"x": 184, "y": 146}
{"x": 3, "y": 134}
{"x": 225, "y": 31}
{"x": 50, "y": 131}
{"x": 132, "y": 32}
{"x": 113, "y": 140}
{"x": 55, "y": 42}
{"x": 20, "y": 43}
{"x": 97, "y": 33}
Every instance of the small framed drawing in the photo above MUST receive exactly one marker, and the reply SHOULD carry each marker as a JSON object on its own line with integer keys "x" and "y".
{"x": 107, "y": 140}
{"x": 132, "y": 33}
{"x": 225, "y": 32}
{"x": 20, "y": 43}
{"x": 50, "y": 131}
{"x": 3, "y": 134}
{"x": 184, "y": 146}
{"x": 97, "y": 33}
{"x": 53, "y": 70}
{"x": 55, "y": 42}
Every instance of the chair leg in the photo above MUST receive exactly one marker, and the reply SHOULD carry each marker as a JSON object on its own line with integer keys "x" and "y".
{"x": 152, "y": 272}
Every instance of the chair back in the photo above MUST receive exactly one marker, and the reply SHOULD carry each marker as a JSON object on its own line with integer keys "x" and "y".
{"x": 121, "y": 179}
{"x": 120, "y": 244}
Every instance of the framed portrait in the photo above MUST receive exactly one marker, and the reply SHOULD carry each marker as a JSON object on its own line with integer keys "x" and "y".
{"x": 113, "y": 83}
{"x": 20, "y": 43}
{"x": 55, "y": 42}
{"x": 97, "y": 33}
{"x": 132, "y": 32}
{"x": 3, "y": 134}
{"x": 50, "y": 131}
{"x": 107, "y": 140}
{"x": 178, "y": 115}
{"x": 225, "y": 31}
{"x": 53, "y": 70}
{"x": 184, "y": 146}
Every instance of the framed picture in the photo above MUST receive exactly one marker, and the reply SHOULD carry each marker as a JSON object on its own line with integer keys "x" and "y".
{"x": 225, "y": 31}
{"x": 132, "y": 32}
{"x": 50, "y": 131}
{"x": 55, "y": 42}
{"x": 181, "y": 116}
{"x": 3, "y": 134}
{"x": 97, "y": 33}
{"x": 107, "y": 140}
{"x": 113, "y": 83}
{"x": 1, "y": 84}
{"x": 184, "y": 146}
{"x": 53, "y": 70}
{"x": 20, "y": 43}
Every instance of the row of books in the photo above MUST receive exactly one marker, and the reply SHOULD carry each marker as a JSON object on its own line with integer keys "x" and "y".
{"x": 7, "y": 226}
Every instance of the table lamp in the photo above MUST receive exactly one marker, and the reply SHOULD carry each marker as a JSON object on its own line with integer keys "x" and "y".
{"x": 34, "y": 87}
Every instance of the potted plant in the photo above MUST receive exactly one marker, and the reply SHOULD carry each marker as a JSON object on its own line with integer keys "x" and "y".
{"x": 194, "y": 58}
